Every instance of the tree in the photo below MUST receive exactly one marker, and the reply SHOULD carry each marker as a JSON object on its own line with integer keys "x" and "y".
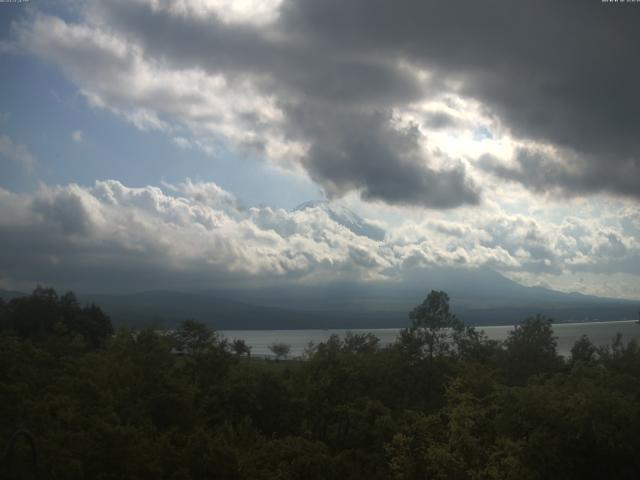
{"x": 193, "y": 337}
{"x": 530, "y": 348}
{"x": 92, "y": 323}
{"x": 280, "y": 349}
{"x": 134, "y": 409}
{"x": 240, "y": 347}
{"x": 360, "y": 343}
{"x": 43, "y": 315}
{"x": 583, "y": 350}
{"x": 432, "y": 326}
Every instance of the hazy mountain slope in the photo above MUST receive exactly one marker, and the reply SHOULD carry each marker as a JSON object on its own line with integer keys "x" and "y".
{"x": 469, "y": 289}
{"x": 9, "y": 294}
{"x": 163, "y": 309}
{"x": 479, "y": 296}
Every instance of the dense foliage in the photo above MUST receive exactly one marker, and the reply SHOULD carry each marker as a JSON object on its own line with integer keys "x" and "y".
{"x": 442, "y": 402}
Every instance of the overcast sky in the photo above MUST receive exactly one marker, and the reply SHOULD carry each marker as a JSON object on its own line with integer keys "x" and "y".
{"x": 152, "y": 143}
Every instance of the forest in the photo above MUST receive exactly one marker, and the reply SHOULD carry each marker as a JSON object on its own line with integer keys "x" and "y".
{"x": 79, "y": 400}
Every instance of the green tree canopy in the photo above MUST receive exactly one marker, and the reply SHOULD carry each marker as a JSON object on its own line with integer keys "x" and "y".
{"x": 432, "y": 327}
{"x": 530, "y": 349}
{"x": 44, "y": 313}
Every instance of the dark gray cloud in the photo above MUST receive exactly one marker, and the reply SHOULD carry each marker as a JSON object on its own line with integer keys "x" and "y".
{"x": 64, "y": 212}
{"x": 544, "y": 172}
{"x": 365, "y": 152}
{"x": 563, "y": 73}
{"x": 336, "y": 100}
{"x": 439, "y": 120}
{"x": 292, "y": 64}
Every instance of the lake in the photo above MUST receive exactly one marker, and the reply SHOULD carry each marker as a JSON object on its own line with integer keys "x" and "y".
{"x": 600, "y": 333}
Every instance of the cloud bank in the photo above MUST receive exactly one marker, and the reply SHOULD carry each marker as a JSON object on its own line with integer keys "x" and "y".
{"x": 499, "y": 134}
{"x": 196, "y": 235}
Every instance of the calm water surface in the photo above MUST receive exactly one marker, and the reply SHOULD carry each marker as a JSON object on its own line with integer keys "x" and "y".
{"x": 600, "y": 333}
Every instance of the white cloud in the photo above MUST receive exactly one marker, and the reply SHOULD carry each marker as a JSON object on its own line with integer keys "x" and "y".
{"x": 77, "y": 136}
{"x": 18, "y": 153}
{"x": 257, "y": 12}
{"x": 197, "y": 108}
{"x": 195, "y": 233}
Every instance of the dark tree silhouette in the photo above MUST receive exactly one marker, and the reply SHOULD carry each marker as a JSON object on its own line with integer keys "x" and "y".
{"x": 530, "y": 349}
{"x": 280, "y": 349}
{"x": 432, "y": 326}
{"x": 42, "y": 313}
{"x": 240, "y": 347}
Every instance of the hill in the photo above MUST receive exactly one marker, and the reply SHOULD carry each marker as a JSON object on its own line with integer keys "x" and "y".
{"x": 481, "y": 297}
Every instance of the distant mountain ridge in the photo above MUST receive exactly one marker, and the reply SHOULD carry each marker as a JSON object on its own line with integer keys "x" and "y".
{"x": 9, "y": 294}
{"x": 479, "y": 296}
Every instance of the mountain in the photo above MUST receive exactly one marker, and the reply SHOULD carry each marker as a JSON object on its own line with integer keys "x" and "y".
{"x": 470, "y": 289}
{"x": 165, "y": 309}
{"x": 479, "y": 296}
{"x": 7, "y": 295}
{"x": 346, "y": 218}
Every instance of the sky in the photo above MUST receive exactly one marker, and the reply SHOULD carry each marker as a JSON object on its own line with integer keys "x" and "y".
{"x": 167, "y": 143}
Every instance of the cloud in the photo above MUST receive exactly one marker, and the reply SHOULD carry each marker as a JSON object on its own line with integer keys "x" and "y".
{"x": 382, "y": 160}
{"x": 319, "y": 86}
{"x": 18, "y": 153}
{"x": 399, "y": 105}
{"x": 555, "y": 73}
{"x": 196, "y": 235}
{"x": 563, "y": 172}
{"x": 145, "y": 238}
{"x": 77, "y": 136}
{"x": 204, "y": 110}
{"x": 259, "y": 89}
